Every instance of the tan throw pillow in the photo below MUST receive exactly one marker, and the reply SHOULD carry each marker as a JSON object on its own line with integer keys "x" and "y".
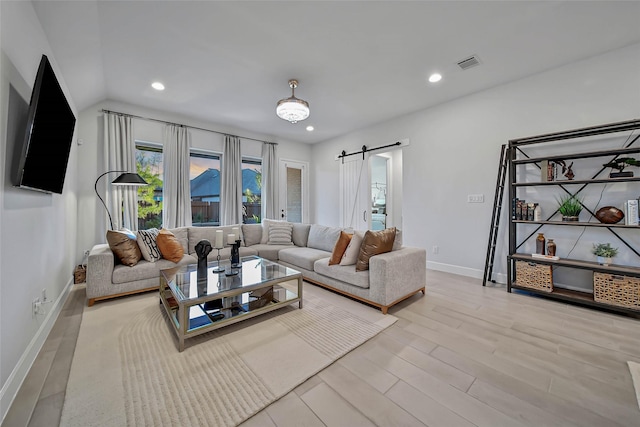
{"x": 375, "y": 243}
{"x": 280, "y": 234}
{"x": 169, "y": 246}
{"x": 148, "y": 245}
{"x": 123, "y": 244}
{"x": 351, "y": 254}
{"x": 340, "y": 248}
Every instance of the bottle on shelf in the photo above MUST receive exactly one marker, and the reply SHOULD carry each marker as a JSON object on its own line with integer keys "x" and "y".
{"x": 540, "y": 244}
{"x": 537, "y": 213}
{"x": 551, "y": 247}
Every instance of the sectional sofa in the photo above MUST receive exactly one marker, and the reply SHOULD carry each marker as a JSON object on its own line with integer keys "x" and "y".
{"x": 391, "y": 278}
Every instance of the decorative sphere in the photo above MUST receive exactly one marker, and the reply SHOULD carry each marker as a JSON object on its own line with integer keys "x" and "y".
{"x": 609, "y": 215}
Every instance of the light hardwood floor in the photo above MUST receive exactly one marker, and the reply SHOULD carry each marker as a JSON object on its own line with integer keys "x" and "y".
{"x": 462, "y": 355}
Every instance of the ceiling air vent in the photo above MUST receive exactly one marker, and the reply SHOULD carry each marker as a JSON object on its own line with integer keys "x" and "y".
{"x": 469, "y": 62}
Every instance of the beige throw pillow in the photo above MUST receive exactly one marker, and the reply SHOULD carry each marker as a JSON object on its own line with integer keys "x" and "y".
{"x": 351, "y": 253}
{"x": 280, "y": 234}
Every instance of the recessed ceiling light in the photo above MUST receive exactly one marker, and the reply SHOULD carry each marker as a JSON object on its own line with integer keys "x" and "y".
{"x": 157, "y": 86}
{"x": 310, "y": 128}
{"x": 435, "y": 77}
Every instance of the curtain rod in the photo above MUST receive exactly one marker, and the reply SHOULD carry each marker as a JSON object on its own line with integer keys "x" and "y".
{"x": 185, "y": 126}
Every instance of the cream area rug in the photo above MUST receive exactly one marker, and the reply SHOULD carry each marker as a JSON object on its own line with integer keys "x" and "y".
{"x": 127, "y": 371}
{"x": 635, "y": 376}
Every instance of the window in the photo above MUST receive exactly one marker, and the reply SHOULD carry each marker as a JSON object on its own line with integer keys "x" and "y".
{"x": 204, "y": 174}
{"x": 149, "y": 166}
{"x": 251, "y": 190}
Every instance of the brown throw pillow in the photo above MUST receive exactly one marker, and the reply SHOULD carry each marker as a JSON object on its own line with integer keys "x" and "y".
{"x": 124, "y": 245}
{"x": 169, "y": 246}
{"x": 375, "y": 243}
{"x": 340, "y": 247}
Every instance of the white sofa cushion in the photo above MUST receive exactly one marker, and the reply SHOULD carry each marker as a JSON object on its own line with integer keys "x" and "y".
{"x": 323, "y": 237}
{"x": 300, "y": 234}
{"x": 302, "y": 257}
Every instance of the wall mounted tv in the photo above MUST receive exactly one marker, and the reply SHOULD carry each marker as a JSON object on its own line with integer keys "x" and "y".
{"x": 48, "y": 136}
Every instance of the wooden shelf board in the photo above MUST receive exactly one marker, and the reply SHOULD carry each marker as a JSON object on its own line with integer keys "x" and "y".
{"x": 584, "y": 298}
{"x": 585, "y": 265}
{"x": 577, "y": 181}
{"x": 584, "y": 155}
{"x": 577, "y": 223}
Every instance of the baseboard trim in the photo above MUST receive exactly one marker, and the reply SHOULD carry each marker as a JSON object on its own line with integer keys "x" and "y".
{"x": 455, "y": 269}
{"x": 19, "y": 373}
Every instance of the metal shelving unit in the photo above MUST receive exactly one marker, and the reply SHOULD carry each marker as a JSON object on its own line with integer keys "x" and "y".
{"x": 515, "y": 150}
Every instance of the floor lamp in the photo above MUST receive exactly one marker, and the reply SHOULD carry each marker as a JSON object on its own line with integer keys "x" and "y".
{"x": 127, "y": 179}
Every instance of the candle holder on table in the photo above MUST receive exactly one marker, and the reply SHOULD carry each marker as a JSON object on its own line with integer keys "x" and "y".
{"x": 235, "y": 258}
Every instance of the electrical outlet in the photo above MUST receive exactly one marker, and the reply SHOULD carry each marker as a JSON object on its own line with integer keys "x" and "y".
{"x": 475, "y": 198}
{"x": 35, "y": 307}
{"x": 435, "y": 249}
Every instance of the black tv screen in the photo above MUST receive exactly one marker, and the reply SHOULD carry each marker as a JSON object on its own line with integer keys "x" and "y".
{"x": 48, "y": 136}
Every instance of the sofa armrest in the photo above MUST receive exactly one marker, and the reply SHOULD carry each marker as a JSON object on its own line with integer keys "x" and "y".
{"x": 394, "y": 275}
{"x": 99, "y": 271}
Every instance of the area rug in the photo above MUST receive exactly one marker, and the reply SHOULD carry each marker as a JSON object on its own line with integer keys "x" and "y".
{"x": 127, "y": 370}
{"x": 635, "y": 376}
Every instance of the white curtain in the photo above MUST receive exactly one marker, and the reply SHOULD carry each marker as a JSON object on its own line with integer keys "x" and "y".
{"x": 120, "y": 155}
{"x": 231, "y": 185}
{"x": 269, "y": 181}
{"x": 176, "y": 186}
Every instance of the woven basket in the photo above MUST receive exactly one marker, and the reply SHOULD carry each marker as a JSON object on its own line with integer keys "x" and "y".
{"x": 80, "y": 274}
{"x": 622, "y": 291}
{"x": 534, "y": 276}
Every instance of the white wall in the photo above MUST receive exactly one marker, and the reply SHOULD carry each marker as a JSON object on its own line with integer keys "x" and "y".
{"x": 38, "y": 231}
{"x": 91, "y": 228}
{"x": 455, "y": 149}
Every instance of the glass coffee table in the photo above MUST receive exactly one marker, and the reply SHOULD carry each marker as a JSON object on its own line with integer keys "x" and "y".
{"x": 198, "y": 305}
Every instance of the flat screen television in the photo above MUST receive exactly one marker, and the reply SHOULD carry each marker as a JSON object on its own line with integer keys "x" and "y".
{"x": 48, "y": 136}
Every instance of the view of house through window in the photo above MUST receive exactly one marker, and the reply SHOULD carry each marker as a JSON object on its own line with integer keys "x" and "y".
{"x": 204, "y": 174}
{"x": 251, "y": 191}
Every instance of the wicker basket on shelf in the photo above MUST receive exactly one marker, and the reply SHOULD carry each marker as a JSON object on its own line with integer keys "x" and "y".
{"x": 534, "y": 276}
{"x": 622, "y": 291}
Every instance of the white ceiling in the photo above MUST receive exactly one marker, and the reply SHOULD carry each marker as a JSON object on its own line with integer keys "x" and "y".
{"x": 358, "y": 63}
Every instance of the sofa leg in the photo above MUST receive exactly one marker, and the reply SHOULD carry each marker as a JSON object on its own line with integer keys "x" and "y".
{"x": 90, "y": 302}
{"x": 384, "y": 309}
{"x": 424, "y": 291}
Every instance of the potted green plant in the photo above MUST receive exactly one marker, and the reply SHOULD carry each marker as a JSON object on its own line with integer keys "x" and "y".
{"x": 604, "y": 252}
{"x": 569, "y": 207}
{"x": 620, "y": 163}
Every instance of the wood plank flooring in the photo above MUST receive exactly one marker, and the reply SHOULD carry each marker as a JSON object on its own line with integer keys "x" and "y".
{"x": 462, "y": 355}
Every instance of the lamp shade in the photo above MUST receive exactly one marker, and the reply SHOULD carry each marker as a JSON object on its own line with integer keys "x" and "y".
{"x": 128, "y": 178}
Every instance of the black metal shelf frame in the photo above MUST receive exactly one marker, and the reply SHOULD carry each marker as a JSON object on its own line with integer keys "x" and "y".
{"x": 515, "y": 150}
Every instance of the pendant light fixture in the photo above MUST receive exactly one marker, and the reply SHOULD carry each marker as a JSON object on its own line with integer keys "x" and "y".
{"x": 292, "y": 109}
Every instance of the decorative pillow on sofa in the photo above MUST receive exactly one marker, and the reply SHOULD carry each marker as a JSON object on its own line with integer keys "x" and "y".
{"x": 123, "y": 244}
{"x": 148, "y": 245}
{"x": 351, "y": 253}
{"x": 280, "y": 234}
{"x": 266, "y": 223}
{"x": 252, "y": 234}
{"x": 374, "y": 243}
{"x": 340, "y": 248}
{"x": 169, "y": 246}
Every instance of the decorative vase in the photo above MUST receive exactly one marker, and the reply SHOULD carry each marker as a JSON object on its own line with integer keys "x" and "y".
{"x": 540, "y": 244}
{"x": 551, "y": 247}
{"x": 603, "y": 260}
{"x": 235, "y": 254}
{"x": 569, "y": 218}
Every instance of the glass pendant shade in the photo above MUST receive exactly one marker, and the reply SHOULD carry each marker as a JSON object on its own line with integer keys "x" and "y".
{"x": 292, "y": 109}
